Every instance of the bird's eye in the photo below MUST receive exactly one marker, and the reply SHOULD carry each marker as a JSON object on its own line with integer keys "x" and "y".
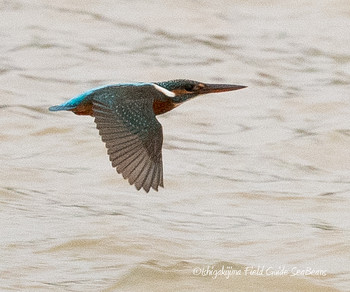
{"x": 189, "y": 87}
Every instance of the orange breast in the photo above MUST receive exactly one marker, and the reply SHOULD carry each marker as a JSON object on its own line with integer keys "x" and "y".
{"x": 161, "y": 107}
{"x": 83, "y": 109}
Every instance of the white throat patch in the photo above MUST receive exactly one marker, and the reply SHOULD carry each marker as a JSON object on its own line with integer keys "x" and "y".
{"x": 163, "y": 90}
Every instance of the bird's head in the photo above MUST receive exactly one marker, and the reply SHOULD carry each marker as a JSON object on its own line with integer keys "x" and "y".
{"x": 186, "y": 89}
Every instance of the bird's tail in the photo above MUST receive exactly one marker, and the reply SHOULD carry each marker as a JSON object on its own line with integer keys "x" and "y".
{"x": 61, "y": 107}
{"x": 75, "y": 101}
{"x": 70, "y": 104}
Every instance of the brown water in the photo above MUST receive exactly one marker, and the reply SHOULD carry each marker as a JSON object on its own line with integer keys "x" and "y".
{"x": 255, "y": 181}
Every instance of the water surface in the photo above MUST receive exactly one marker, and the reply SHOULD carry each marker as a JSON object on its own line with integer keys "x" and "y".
{"x": 255, "y": 178}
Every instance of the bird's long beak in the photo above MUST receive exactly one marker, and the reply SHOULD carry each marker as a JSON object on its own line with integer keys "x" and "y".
{"x": 212, "y": 88}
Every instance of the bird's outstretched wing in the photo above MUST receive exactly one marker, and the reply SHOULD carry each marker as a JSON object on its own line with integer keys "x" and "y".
{"x": 127, "y": 124}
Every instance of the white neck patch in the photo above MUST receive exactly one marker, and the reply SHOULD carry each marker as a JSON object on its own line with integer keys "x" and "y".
{"x": 163, "y": 90}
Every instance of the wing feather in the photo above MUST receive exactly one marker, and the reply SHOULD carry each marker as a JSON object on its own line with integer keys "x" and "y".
{"x": 139, "y": 175}
{"x": 148, "y": 177}
{"x": 127, "y": 124}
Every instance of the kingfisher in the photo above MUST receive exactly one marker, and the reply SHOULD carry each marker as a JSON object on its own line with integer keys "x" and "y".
{"x": 125, "y": 116}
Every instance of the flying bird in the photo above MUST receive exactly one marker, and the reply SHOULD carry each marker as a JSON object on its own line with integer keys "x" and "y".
{"x": 125, "y": 115}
